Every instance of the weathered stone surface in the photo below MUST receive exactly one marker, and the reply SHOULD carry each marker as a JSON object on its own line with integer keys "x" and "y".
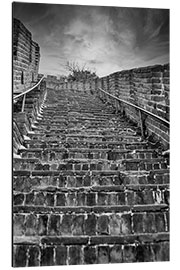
{"x": 90, "y": 224}
{"x": 103, "y": 224}
{"x": 74, "y": 255}
{"x": 90, "y": 256}
{"x": 116, "y": 254}
{"x": 103, "y": 254}
{"x": 60, "y": 255}
{"x": 33, "y": 256}
{"x": 47, "y": 256}
{"x": 54, "y": 225}
{"x": 20, "y": 256}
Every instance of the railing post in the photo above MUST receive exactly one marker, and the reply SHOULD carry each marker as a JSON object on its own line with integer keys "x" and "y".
{"x": 23, "y": 103}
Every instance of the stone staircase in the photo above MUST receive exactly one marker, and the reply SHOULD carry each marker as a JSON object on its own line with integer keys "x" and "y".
{"x": 87, "y": 189}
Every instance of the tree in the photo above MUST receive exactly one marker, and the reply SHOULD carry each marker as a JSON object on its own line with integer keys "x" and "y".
{"x": 79, "y": 73}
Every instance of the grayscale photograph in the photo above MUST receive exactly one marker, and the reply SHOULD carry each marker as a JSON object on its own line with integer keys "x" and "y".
{"x": 90, "y": 134}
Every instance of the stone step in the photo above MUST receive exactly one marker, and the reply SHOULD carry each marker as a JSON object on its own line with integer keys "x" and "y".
{"x": 55, "y": 250}
{"x": 88, "y": 221}
{"x": 55, "y": 154}
{"x": 91, "y": 164}
{"x": 129, "y": 195}
{"x": 88, "y": 189}
{"x": 91, "y": 144}
{"x": 74, "y": 124}
{"x": 72, "y": 135}
{"x": 24, "y": 180}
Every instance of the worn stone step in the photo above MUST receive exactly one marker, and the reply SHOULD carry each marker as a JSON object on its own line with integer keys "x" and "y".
{"x": 93, "y": 240}
{"x": 26, "y": 181}
{"x": 71, "y": 134}
{"x": 91, "y": 144}
{"x": 129, "y": 195}
{"x": 55, "y": 154}
{"x": 91, "y": 164}
{"x": 87, "y": 221}
{"x": 53, "y": 250}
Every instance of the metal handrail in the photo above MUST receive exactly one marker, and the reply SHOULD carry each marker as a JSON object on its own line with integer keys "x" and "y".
{"x": 29, "y": 90}
{"x": 137, "y": 107}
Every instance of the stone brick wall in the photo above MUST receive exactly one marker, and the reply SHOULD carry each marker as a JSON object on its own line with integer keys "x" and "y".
{"x": 146, "y": 87}
{"x": 26, "y": 56}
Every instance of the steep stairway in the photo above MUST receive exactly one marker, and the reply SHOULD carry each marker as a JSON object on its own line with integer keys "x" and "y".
{"x": 87, "y": 189}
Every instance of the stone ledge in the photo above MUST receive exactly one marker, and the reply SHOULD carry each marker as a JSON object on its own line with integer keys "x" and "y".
{"x": 91, "y": 240}
{"x": 89, "y": 209}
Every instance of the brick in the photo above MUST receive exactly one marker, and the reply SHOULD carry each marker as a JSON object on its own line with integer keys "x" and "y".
{"x": 42, "y": 224}
{"x": 102, "y": 198}
{"x": 71, "y": 199}
{"x": 77, "y": 167}
{"x": 66, "y": 225}
{"x": 47, "y": 256}
{"x": 130, "y": 198}
{"x": 116, "y": 254}
{"x": 160, "y": 222}
{"x": 18, "y": 225}
{"x": 151, "y": 178}
{"x": 18, "y": 199}
{"x": 139, "y": 197}
{"x": 79, "y": 181}
{"x": 90, "y": 224}
{"x": 126, "y": 224}
{"x": 60, "y": 199}
{"x": 129, "y": 254}
{"x": 138, "y": 223}
{"x": 103, "y": 224}
{"x": 71, "y": 181}
{"x": 54, "y": 225}
{"x": 144, "y": 253}
{"x": 60, "y": 255}
{"x": 31, "y": 225}
{"x": 131, "y": 166}
{"x": 103, "y": 254}
{"x": 112, "y": 199}
{"x": 20, "y": 256}
{"x": 92, "y": 167}
{"x": 74, "y": 255}
{"x": 39, "y": 198}
{"x": 78, "y": 225}
{"x": 33, "y": 256}
{"x": 62, "y": 180}
{"x": 81, "y": 199}
{"x": 149, "y": 223}
{"x": 90, "y": 255}
{"x": 115, "y": 224}
{"x": 69, "y": 166}
{"x": 85, "y": 167}
{"x": 121, "y": 198}
{"x": 161, "y": 251}
{"x": 91, "y": 199}
{"x": 50, "y": 199}
{"x": 87, "y": 180}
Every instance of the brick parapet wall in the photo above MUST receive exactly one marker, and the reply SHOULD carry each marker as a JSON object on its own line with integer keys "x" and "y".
{"x": 146, "y": 87}
{"x": 26, "y": 56}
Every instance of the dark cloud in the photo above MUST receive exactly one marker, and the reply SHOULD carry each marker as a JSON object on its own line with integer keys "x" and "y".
{"x": 105, "y": 38}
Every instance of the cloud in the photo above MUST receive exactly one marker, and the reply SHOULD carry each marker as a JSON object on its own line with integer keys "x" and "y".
{"x": 107, "y": 39}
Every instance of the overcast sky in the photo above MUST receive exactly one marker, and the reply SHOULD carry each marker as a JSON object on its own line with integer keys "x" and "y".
{"x": 107, "y": 39}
